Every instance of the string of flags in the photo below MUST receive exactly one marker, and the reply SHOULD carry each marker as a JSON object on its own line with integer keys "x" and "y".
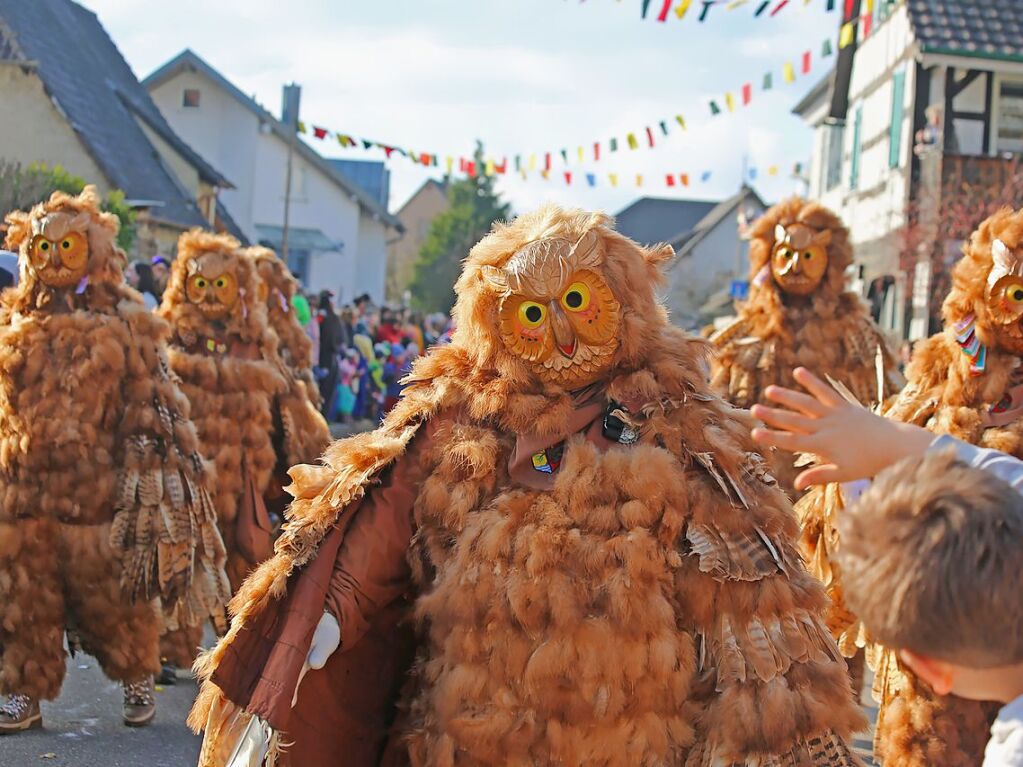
{"x": 679, "y": 10}
{"x": 595, "y": 151}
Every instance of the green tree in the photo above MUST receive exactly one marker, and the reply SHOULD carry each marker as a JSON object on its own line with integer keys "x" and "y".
{"x": 473, "y": 209}
{"x": 23, "y": 187}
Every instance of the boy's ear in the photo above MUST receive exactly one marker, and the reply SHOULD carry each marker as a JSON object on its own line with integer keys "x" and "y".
{"x": 938, "y": 674}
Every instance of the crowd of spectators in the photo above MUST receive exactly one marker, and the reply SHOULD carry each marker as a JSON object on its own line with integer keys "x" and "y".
{"x": 361, "y": 352}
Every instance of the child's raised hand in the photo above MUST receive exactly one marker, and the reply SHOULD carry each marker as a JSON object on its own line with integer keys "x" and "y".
{"x": 852, "y": 442}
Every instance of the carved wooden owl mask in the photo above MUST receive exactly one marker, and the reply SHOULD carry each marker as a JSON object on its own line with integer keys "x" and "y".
{"x": 59, "y": 249}
{"x": 1005, "y": 297}
{"x": 557, "y": 312}
{"x": 212, "y": 285}
{"x": 799, "y": 259}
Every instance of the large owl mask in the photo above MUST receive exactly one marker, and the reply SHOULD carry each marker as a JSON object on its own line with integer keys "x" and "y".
{"x": 557, "y": 313}
{"x": 799, "y": 259}
{"x": 212, "y": 285}
{"x": 1005, "y": 297}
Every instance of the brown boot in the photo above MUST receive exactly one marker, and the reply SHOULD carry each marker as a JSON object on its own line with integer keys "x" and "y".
{"x": 139, "y": 703}
{"x": 18, "y": 714}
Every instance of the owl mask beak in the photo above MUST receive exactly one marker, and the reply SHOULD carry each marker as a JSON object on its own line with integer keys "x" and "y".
{"x": 564, "y": 336}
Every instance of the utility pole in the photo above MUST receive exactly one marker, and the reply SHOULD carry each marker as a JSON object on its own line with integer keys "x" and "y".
{"x": 291, "y": 99}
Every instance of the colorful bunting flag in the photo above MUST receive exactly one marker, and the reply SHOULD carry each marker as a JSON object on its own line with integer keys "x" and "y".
{"x": 735, "y": 4}
{"x": 714, "y": 108}
{"x": 772, "y": 171}
{"x": 545, "y": 174}
{"x": 762, "y": 7}
{"x": 730, "y": 102}
{"x": 681, "y": 121}
{"x": 806, "y": 62}
{"x": 568, "y": 177}
{"x": 683, "y": 6}
{"x": 614, "y": 145}
{"x": 591, "y": 179}
{"x": 847, "y": 35}
{"x": 490, "y": 170}
{"x": 639, "y": 179}
{"x": 633, "y": 143}
{"x": 670, "y": 179}
{"x": 650, "y": 137}
{"x": 300, "y": 127}
{"x": 790, "y": 73}
{"x": 663, "y": 15}
{"x": 703, "y": 15}
{"x": 596, "y": 150}
{"x": 779, "y": 6}
{"x": 613, "y": 178}
{"x": 684, "y": 178}
{"x": 705, "y": 177}
{"x": 547, "y": 162}
{"x": 664, "y": 127}
{"x": 645, "y": 8}
{"x": 747, "y": 93}
{"x": 450, "y": 164}
{"x": 826, "y": 49}
{"x": 582, "y": 154}
{"x": 532, "y": 163}
{"x": 564, "y": 155}
{"x": 768, "y": 81}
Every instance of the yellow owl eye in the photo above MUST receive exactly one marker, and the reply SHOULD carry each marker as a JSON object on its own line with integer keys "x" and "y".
{"x": 65, "y": 245}
{"x": 201, "y": 283}
{"x": 44, "y": 246}
{"x": 532, "y": 314}
{"x": 1015, "y": 294}
{"x": 221, "y": 282}
{"x": 577, "y": 297}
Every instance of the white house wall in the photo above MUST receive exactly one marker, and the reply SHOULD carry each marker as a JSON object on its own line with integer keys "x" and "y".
{"x": 254, "y": 158}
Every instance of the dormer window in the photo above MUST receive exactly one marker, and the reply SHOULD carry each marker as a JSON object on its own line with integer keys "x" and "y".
{"x": 190, "y": 98}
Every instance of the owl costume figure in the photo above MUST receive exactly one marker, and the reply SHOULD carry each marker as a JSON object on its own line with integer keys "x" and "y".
{"x": 225, "y": 354}
{"x": 799, "y": 313}
{"x": 106, "y": 525}
{"x": 559, "y": 548}
{"x": 303, "y": 431}
{"x": 967, "y": 382}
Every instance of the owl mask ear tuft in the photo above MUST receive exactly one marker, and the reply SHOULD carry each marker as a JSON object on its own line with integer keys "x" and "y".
{"x": 780, "y": 234}
{"x": 659, "y": 255}
{"x": 80, "y": 222}
{"x": 496, "y": 279}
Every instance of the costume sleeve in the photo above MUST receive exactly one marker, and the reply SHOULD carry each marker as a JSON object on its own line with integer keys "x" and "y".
{"x": 372, "y": 568}
{"x": 994, "y": 462}
{"x": 165, "y": 523}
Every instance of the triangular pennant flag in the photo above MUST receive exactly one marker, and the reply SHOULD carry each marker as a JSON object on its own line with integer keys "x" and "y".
{"x": 790, "y": 73}
{"x": 388, "y": 151}
{"x": 582, "y": 154}
{"x": 683, "y": 6}
{"x": 650, "y": 137}
{"x": 596, "y": 150}
{"x": 684, "y": 178}
{"x": 714, "y": 108}
{"x": 501, "y": 167}
{"x": 367, "y": 144}
{"x": 730, "y": 102}
{"x": 735, "y": 4}
{"x": 831, "y": 6}
{"x": 300, "y": 127}
{"x": 547, "y": 162}
{"x": 846, "y": 36}
{"x": 413, "y": 157}
{"x": 633, "y": 143}
{"x": 681, "y": 121}
{"x": 705, "y": 177}
{"x": 564, "y": 155}
{"x": 523, "y": 174}
{"x": 703, "y": 14}
{"x": 806, "y": 62}
{"x": 826, "y": 48}
{"x": 449, "y": 163}
{"x": 532, "y": 163}
{"x": 545, "y": 174}
{"x": 762, "y": 7}
{"x": 568, "y": 177}
{"x": 591, "y": 179}
{"x": 518, "y": 162}
{"x": 343, "y": 141}
{"x": 320, "y": 132}
{"x": 772, "y": 171}
{"x": 645, "y": 8}
{"x": 752, "y": 173}
{"x": 614, "y": 145}
{"x": 670, "y": 180}
{"x": 470, "y": 168}
{"x": 426, "y": 159}
{"x": 747, "y": 93}
{"x": 613, "y": 178}
{"x": 768, "y": 81}
{"x": 664, "y": 127}
{"x": 665, "y": 9}
{"x": 779, "y": 6}
{"x": 433, "y": 160}
{"x": 639, "y": 179}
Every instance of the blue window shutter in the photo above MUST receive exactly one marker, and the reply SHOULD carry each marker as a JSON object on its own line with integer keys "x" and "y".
{"x": 854, "y": 165}
{"x": 895, "y": 131}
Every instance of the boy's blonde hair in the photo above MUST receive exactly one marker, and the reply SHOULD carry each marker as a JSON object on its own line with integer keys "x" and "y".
{"x": 933, "y": 561}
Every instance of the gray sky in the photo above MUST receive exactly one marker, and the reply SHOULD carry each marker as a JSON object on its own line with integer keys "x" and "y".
{"x": 525, "y": 76}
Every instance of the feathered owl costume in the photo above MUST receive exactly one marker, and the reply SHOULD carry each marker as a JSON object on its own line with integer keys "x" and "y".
{"x": 799, "y": 313}
{"x": 600, "y": 567}
{"x": 302, "y": 429}
{"x": 104, "y": 511}
{"x": 967, "y": 382}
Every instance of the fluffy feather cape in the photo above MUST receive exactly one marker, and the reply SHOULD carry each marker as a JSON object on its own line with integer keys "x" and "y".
{"x": 650, "y": 609}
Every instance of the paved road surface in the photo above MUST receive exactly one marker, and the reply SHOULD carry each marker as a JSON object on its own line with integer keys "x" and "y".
{"x": 83, "y": 728}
